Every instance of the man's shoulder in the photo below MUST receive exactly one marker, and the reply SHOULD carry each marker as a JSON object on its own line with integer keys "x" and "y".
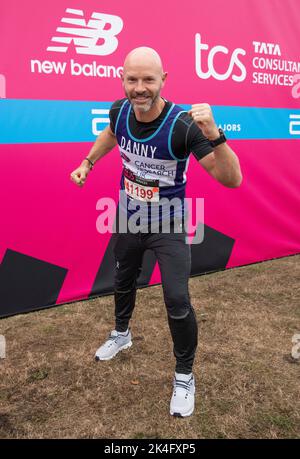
{"x": 184, "y": 116}
{"x": 114, "y": 112}
{"x": 184, "y": 120}
{"x": 117, "y": 104}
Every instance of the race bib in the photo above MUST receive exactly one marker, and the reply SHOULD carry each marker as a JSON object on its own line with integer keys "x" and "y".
{"x": 139, "y": 188}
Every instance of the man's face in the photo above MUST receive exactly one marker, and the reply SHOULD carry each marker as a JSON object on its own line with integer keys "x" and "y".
{"x": 142, "y": 85}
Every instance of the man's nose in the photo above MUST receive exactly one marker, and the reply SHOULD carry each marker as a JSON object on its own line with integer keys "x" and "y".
{"x": 140, "y": 86}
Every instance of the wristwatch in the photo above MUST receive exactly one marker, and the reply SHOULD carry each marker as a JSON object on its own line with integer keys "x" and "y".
{"x": 219, "y": 140}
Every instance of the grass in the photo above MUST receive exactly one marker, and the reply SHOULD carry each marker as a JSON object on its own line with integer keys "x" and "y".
{"x": 247, "y": 383}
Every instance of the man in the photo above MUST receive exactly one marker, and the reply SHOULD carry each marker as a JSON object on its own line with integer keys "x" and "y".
{"x": 155, "y": 138}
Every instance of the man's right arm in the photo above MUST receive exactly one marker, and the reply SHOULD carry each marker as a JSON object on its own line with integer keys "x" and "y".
{"x": 104, "y": 143}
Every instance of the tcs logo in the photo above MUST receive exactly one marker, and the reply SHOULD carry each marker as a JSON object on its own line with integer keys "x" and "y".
{"x": 236, "y": 75}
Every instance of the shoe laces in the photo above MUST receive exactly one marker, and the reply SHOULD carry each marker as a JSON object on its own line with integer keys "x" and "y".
{"x": 186, "y": 385}
{"x": 113, "y": 338}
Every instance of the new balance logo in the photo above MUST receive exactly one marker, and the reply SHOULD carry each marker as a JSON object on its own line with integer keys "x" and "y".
{"x": 92, "y": 37}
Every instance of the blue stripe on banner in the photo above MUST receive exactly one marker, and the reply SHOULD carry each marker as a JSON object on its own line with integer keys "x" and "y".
{"x": 49, "y": 121}
{"x": 257, "y": 123}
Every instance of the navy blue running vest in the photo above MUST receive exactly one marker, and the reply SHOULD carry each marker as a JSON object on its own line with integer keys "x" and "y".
{"x": 152, "y": 175}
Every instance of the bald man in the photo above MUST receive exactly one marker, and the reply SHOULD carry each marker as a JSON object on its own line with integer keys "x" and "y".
{"x": 155, "y": 139}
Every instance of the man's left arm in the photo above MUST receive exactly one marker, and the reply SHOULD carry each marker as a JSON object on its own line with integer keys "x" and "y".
{"x": 222, "y": 164}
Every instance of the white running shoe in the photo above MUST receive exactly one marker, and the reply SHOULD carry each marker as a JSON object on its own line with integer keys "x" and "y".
{"x": 183, "y": 398}
{"x": 115, "y": 343}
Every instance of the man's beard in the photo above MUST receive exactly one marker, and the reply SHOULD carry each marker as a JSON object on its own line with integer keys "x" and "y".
{"x": 145, "y": 107}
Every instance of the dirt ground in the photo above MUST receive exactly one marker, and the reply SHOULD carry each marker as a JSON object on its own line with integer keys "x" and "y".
{"x": 247, "y": 383}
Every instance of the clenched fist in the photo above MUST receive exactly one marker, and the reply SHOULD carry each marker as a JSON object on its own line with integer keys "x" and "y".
{"x": 80, "y": 174}
{"x": 202, "y": 115}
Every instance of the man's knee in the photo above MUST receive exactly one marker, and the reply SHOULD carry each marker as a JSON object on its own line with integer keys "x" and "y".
{"x": 178, "y": 306}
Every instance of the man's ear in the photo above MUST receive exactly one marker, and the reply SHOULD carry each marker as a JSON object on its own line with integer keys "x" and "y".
{"x": 122, "y": 79}
{"x": 164, "y": 77}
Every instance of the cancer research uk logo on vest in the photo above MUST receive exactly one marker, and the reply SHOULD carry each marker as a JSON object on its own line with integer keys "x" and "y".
{"x": 96, "y": 36}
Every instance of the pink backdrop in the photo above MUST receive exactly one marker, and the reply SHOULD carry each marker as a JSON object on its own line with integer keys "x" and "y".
{"x": 46, "y": 218}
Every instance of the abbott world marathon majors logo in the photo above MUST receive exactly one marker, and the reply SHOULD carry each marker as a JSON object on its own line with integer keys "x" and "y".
{"x": 96, "y": 36}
